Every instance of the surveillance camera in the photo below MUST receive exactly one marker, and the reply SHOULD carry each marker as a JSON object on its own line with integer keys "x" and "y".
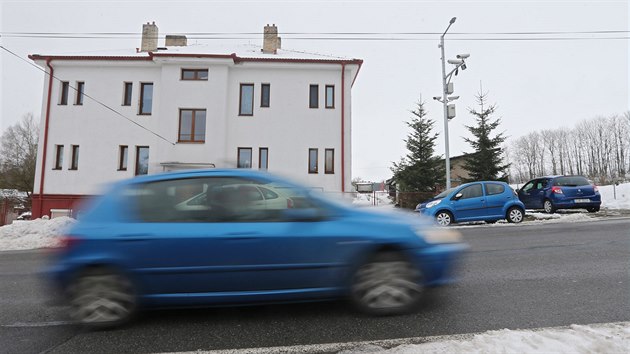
{"x": 437, "y": 98}
{"x": 453, "y": 98}
{"x": 455, "y": 61}
{"x": 463, "y": 66}
{"x": 462, "y": 56}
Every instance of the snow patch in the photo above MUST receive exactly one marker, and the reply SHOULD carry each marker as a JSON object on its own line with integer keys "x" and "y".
{"x": 39, "y": 233}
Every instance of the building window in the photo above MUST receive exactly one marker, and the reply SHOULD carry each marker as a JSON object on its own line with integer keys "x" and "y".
{"x": 63, "y": 98}
{"x": 194, "y": 74}
{"x": 265, "y": 93}
{"x": 244, "y": 158}
{"x": 329, "y": 161}
{"x": 74, "y": 163}
{"x": 330, "y": 96}
{"x": 127, "y": 90}
{"x": 192, "y": 125}
{"x": 263, "y": 158}
{"x": 146, "y": 97}
{"x": 58, "y": 157}
{"x": 80, "y": 90}
{"x": 142, "y": 160}
{"x": 312, "y": 160}
{"x": 246, "y": 107}
{"x": 123, "y": 151}
{"x": 313, "y": 101}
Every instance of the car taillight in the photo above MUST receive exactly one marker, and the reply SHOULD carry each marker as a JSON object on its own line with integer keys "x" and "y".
{"x": 67, "y": 242}
{"x": 557, "y": 190}
{"x": 289, "y": 203}
{"x": 595, "y": 188}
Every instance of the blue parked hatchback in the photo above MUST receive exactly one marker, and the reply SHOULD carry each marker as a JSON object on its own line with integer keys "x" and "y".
{"x": 476, "y": 201}
{"x": 223, "y": 237}
{"x": 560, "y": 192}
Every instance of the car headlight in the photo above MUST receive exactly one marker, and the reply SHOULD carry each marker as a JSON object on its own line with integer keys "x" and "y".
{"x": 439, "y": 235}
{"x": 433, "y": 203}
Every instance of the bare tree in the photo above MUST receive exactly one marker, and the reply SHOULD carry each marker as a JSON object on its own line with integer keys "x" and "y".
{"x": 18, "y": 155}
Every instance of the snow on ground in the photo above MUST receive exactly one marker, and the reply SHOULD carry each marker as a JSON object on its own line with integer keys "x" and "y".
{"x": 39, "y": 233}
{"x": 615, "y": 197}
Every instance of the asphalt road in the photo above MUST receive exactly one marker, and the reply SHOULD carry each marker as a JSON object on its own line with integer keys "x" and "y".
{"x": 514, "y": 276}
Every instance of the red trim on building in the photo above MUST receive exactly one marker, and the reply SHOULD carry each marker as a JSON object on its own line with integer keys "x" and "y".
{"x": 42, "y": 205}
{"x": 45, "y": 147}
{"x": 343, "y": 127}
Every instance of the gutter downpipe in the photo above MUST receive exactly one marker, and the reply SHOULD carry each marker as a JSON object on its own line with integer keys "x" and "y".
{"x": 343, "y": 119}
{"x": 43, "y": 173}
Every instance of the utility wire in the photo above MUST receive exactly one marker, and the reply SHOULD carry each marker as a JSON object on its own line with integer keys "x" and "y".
{"x": 320, "y": 33}
{"x": 88, "y": 96}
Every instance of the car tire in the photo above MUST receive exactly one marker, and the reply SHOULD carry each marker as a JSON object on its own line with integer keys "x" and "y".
{"x": 444, "y": 218}
{"x": 388, "y": 284}
{"x": 515, "y": 215}
{"x": 593, "y": 209}
{"x": 491, "y": 221}
{"x": 548, "y": 207}
{"x": 101, "y": 298}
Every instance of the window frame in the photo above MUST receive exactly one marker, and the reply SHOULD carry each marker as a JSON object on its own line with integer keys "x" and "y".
{"x": 240, "y": 99}
{"x": 332, "y": 106}
{"x": 329, "y": 170}
{"x": 74, "y": 157}
{"x": 127, "y": 91}
{"x": 123, "y": 156}
{"x": 80, "y": 93}
{"x": 310, "y": 96}
{"x": 487, "y": 187}
{"x": 265, "y": 103}
{"x": 192, "y": 127}
{"x": 260, "y": 158}
{"x": 64, "y": 92}
{"x": 238, "y": 156}
{"x": 196, "y": 76}
{"x": 141, "y": 101}
{"x": 316, "y": 170}
{"x": 463, "y": 197}
{"x": 58, "y": 157}
{"x": 138, "y": 147}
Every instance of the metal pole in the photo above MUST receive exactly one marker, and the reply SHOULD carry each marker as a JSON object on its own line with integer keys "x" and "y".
{"x": 445, "y": 104}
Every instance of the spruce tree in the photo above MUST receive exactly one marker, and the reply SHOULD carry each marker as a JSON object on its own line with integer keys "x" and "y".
{"x": 486, "y": 162}
{"x": 419, "y": 170}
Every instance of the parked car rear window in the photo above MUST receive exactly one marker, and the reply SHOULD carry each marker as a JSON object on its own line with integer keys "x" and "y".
{"x": 494, "y": 188}
{"x": 572, "y": 181}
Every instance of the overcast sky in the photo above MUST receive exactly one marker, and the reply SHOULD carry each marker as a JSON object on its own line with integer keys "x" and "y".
{"x": 537, "y": 80}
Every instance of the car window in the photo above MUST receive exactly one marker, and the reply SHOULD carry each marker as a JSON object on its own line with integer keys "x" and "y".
{"x": 528, "y": 186}
{"x": 473, "y": 191}
{"x": 218, "y": 199}
{"x": 541, "y": 184}
{"x": 494, "y": 188}
{"x": 571, "y": 181}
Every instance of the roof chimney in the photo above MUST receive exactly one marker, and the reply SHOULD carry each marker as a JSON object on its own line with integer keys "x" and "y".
{"x": 176, "y": 41}
{"x": 149, "y": 37}
{"x": 271, "y": 41}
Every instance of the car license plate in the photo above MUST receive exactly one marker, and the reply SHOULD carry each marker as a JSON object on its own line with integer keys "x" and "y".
{"x": 582, "y": 200}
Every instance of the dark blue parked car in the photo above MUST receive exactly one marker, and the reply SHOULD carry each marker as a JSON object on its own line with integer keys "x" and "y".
{"x": 222, "y": 237}
{"x": 560, "y": 192}
{"x": 476, "y": 201}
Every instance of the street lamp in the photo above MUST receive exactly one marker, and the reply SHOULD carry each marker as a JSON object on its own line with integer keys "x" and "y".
{"x": 446, "y": 78}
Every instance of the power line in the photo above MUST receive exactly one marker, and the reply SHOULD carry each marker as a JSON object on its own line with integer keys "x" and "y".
{"x": 88, "y": 96}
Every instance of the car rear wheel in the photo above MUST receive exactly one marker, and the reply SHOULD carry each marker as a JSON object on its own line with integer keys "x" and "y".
{"x": 548, "y": 206}
{"x": 444, "y": 218}
{"x": 388, "y": 284}
{"x": 515, "y": 215}
{"x": 101, "y": 298}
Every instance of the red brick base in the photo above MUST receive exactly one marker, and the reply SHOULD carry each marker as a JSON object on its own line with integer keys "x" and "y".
{"x": 43, "y": 204}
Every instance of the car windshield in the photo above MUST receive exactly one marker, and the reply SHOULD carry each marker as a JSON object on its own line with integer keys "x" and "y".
{"x": 572, "y": 181}
{"x": 444, "y": 194}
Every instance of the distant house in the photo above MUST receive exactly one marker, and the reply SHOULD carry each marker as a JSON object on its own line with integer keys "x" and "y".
{"x": 12, "y": 203}
{"x": 191, "y": 106}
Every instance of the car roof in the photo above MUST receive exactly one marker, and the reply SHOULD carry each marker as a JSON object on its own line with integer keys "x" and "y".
{"x": 237, "y": 172}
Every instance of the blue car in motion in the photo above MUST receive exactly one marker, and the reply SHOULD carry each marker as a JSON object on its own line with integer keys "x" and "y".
{"x": 560, "y": 192}
{"x": 229, "y": 237}
{"x": 476, "y": 201}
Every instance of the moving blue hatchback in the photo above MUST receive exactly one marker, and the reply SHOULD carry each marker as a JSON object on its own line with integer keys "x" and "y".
{"x": 560, "y": 192}
{"x": 476, "y": 201}
{"x": 223, "y": 237}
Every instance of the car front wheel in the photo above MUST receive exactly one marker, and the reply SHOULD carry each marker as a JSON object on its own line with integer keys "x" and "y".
{"x": 515, "y": 215}
{"x": 444, "y": 218}
{"x": 101, "y": 298}
{"x": 388, "y": 284}
{"x": 548, "y": 206}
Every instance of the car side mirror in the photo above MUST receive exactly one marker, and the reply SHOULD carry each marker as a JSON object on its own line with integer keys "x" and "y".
{"x": 458, "y": 196}
{"x": 517, "y": 190}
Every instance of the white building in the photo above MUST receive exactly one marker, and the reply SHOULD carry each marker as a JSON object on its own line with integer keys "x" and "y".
{"x": 110, "y": 117}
